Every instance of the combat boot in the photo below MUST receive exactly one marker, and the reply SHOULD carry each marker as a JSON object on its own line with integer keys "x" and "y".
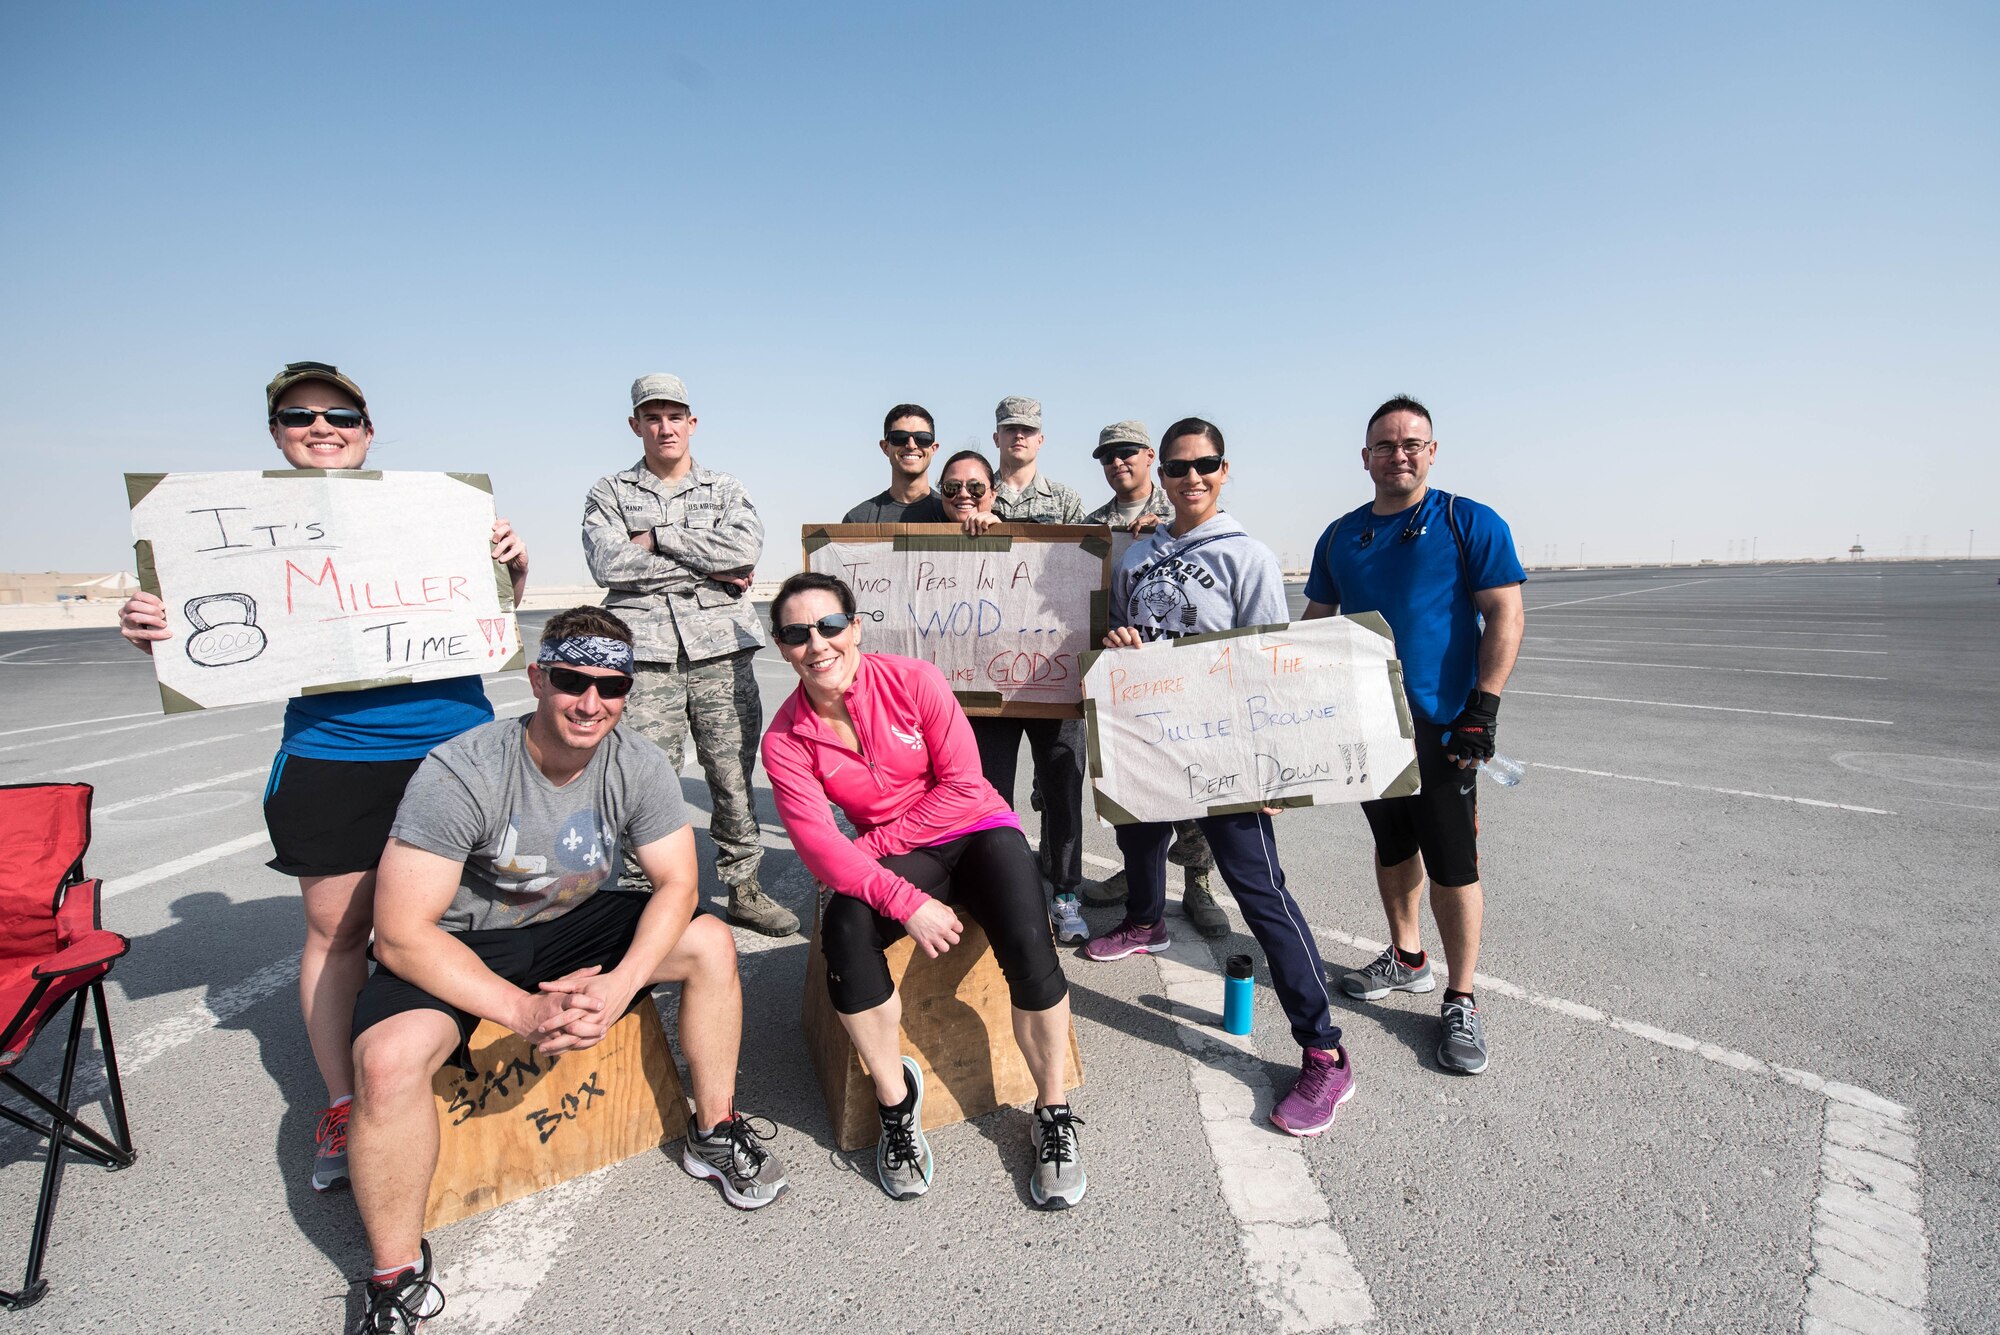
{"x": 1199, "y": 906}
{"x": 750, "y": 907}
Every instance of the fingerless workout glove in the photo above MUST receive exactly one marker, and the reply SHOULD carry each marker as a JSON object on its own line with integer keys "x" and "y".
{"x": 1472, "y": 731}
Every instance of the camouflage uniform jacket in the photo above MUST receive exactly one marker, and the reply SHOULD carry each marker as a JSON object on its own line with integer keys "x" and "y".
{"x": 704, "y": 522}
{"x": 1040, "y": 502}
{"x": 1156, "y": 504}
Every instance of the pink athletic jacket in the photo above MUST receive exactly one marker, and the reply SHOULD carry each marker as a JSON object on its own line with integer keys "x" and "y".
{"x": 915, "y": 781}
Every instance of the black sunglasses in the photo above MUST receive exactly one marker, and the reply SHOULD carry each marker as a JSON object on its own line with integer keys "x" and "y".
{"x": 344, "y": 418}
{"x": 1118, "y": 452}
{"x": 1208, "y": 463}
{"x": 924, "y": 439}
{"x": 973, "y": 489}
{"x": 799, "y": 632}
{"x": 571, "y": 682}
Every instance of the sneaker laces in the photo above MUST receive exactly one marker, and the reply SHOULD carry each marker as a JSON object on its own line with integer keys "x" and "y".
{"x": 743, "y": 1135}
{"x": 1459, "y": 1022}
{"x": 1385, "y": 964}
{"x": 1314, "y": 1077}
{"x": 1059, "y": 1136}
{"x": 408, "y": 1296}
{"x": 331, "y": 1133}
{"x": 899, "y": 1140}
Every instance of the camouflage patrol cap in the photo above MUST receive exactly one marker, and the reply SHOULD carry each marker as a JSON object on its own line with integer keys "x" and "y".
{"x": 661, "y": 386}
{"x": 1127, "y": 432}
{"x": 299, "y": 372}
{"x": 1015, "y": 411}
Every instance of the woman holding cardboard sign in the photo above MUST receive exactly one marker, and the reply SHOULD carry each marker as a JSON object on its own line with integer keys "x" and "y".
{"x": 882, "y": 738}
{"x": 1203, "y": 573}
{"x": 344, "y": 760}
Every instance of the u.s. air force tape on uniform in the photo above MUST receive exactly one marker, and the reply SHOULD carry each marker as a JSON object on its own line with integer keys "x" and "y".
{"x": 1006, "y": 617}
{"x": 305, "y": 581}
{"x": 1268, "y": 716}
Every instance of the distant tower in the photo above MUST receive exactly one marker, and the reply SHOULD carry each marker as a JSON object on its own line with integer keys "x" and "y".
{"x": 1854, "y": 552}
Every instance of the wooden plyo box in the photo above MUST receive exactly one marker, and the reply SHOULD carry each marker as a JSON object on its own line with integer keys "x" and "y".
{"x": 526, "y": 1121}
{"x": 957, "y": 1023}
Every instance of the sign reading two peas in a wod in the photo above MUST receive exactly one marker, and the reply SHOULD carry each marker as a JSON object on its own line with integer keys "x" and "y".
{"x": 1271, "y": 716}
{"x": 1006, "y": 616}
{"x": 299, "y": 582}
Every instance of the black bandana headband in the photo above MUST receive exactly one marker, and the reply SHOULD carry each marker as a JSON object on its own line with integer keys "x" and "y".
{"x": 597, "y": 651}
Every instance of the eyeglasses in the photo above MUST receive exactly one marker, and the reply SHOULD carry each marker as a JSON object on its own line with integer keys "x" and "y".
{"x": 924, "y": 439}
{"x": 571, "y": 682}
{"x": 346, "y": 419}
{"x": 1119, "y": 453}
{"x": 799, "y": 632}
{"x": 1208, "y": 463}
{"x": 973, "y": 489}
{"x": 1409, "y": 449}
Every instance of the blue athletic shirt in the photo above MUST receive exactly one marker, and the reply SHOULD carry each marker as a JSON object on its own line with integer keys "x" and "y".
{"x": 1419, "y": 589}
{"x": 384, "y": 722}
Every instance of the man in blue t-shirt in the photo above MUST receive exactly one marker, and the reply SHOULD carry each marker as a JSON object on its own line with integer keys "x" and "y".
{"x": 1442, "y": 571}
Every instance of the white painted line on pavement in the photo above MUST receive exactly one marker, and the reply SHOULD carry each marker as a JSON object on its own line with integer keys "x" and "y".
{"x": 1298, "y": 1265}
{"x": 1693, "y": 667}
{"x": 1685, "y": 644}
{"x": 1869, "y": 1254}
{"x": 1704, "y": 788}
{"x": 164, "y": 750}
{"x": 512, "y": 1250}
{"x": 199, "y": 858}
{"x": 84, "y": 722}
{"x": 1579, "y": 620}
{"x": 1724, "y": 709}
{"x": 217, "y": 1008}
{"x": 1651, "y": 588}
{"x": 77, "y": 736}
{"x": 1964, "y": 806}
{"x": 194, "y": 787}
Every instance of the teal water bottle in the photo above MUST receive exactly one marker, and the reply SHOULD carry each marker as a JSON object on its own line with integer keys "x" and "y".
{"x": 1236, "y": 987}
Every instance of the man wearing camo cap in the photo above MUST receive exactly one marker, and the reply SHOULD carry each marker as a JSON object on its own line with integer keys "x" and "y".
{"x": 675, "y": 543}
{"x": 1020, "y": 494}
{"x": 1137, "y": 505}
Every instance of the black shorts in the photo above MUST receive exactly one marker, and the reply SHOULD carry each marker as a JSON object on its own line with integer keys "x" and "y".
{"x": 1441, "y": 821}
{"x": 327, "y": 817}
{"x": 597, "y": 931}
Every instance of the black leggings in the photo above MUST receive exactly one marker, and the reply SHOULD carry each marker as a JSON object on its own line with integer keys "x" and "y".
{"x": 990, "y": 875}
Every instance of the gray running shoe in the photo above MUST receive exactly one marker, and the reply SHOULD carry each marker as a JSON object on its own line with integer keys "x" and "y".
{"x": 1066, "y": 913}
{"x": 750, "y": 907}
{"x": 1199, "y": 906}
{"x": 903, "y": 1162}
{"x": 401, "y": 1304}
{"x": 750, "y": 1175}
{"x": 1104, "y": 893}
{"x": 1463, "y": 1045}
{"x": 1059, "y": 1180}
{"x": 1385, "y": 975}
{"x": 330, "y": 1149}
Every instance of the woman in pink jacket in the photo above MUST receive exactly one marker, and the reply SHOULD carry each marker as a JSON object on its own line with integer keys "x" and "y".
{"x": 882, "y": 738}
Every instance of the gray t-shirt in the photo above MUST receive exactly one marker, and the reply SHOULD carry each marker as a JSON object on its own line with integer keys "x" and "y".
{"x": 533, "y": 851}
{"x": 882, "y": 508}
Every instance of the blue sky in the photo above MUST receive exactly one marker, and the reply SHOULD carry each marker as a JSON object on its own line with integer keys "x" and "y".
{"x": 1667, "y": 274}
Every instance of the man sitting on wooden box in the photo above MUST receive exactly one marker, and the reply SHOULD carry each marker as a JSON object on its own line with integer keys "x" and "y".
{"x": 498, "y": 899}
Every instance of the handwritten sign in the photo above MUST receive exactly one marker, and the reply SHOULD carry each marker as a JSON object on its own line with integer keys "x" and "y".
{"x": 1006, "y": 616}
{"x": 1271, "y": 716}
{"x": 299, "y": 582}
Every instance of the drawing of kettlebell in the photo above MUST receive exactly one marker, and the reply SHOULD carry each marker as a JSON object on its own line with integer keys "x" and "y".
{"x": 228, "y": 639}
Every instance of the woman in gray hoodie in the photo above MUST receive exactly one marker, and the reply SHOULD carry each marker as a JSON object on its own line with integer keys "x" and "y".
{"x": 1203, "y": 573}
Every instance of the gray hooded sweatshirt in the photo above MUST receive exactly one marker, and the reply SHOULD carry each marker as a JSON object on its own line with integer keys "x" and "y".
{"x": 1216, "y": 578}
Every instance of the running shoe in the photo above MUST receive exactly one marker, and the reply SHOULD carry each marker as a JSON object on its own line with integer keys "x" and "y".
{"x": 750, "y": 1175}
{"x": 903, "y": 1162}
{"x": 1066, "y": 913}
{"x": 1058, "y": 1182}
{"x": 1317, "y": 1095}
{"x": 1387, "y": 974}
{"x": 330, "y": 1148}
{"x": 1462, "y": 1046}
{"x": 1128, "y": 938}
{"x": 402, "y": 1303}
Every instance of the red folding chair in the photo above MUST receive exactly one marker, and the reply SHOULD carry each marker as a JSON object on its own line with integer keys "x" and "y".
{"x": 52, "y": 950}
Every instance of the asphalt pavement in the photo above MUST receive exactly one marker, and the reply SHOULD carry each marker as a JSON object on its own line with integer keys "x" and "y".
{"x": 1743, "y": 1076}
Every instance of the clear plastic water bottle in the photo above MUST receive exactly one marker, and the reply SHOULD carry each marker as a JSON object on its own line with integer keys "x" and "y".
{"x": 1503, "y": 770}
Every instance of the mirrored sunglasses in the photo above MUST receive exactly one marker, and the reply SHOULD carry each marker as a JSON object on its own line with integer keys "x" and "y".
{"x": 799, "y": 632}
{"x": 346, "y": 419}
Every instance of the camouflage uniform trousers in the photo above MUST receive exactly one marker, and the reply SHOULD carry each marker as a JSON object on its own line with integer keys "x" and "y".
{"x": 716, "y": 700}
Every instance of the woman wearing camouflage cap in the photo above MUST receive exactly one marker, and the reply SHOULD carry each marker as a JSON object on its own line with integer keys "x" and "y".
{"x": 344, "y": 760}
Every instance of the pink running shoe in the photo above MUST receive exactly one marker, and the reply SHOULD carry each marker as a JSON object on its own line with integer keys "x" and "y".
{"x": 1127, "y": 938}
{"x": 1321, "y": 1088}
